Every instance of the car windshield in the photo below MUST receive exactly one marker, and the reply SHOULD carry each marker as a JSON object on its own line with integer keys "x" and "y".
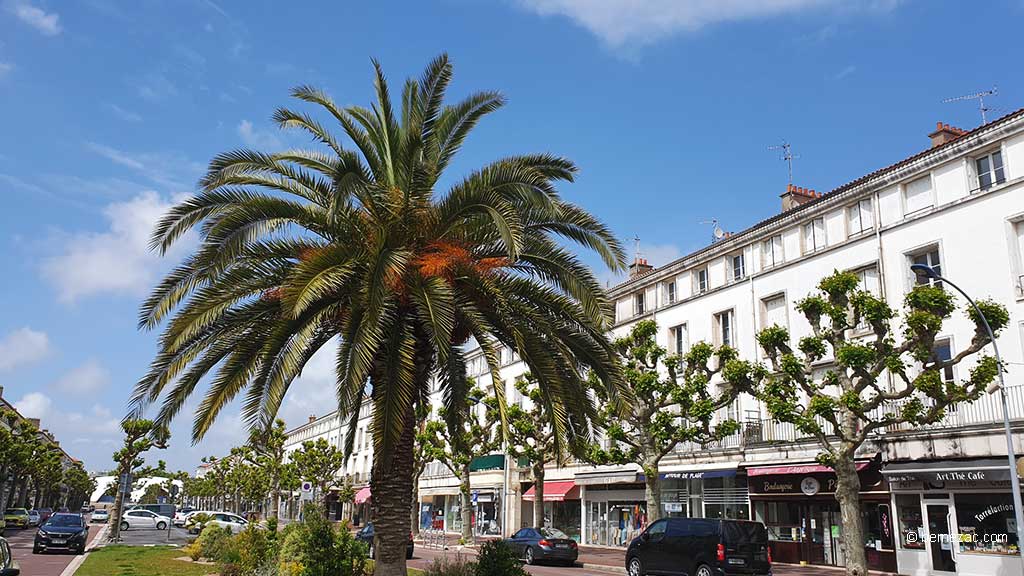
{"x": 17, "y": 511}
{"x": 64, "y": 520}
{"x": 552, "y": 533}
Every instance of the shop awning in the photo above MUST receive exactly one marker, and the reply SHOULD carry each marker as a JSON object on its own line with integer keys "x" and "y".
{"x": 598, "y": 477}
{"x": 987, "y": 469}
{"x": 363, "y": 495}
{"x": 797, "y": 469}
{"x": 556, "y": 492}
{"x": 440, "y": 491}
{"x": 489, "y": 462}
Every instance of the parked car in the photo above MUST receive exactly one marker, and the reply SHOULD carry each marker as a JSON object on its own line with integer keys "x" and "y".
{"x": 544, "y": 545}
{"x": 44, "y": 514}
{"x": 166, "y": 510}
{"x": 62, "y": 531}
{"x": 101, "y": 516}
{"x": 16, "y": 518}
{"x": 180, "y": 515}
{"x": 365, "y": 535}
{"x": 139, "y": 518}
{"x": 8, "y": 565}
{"x": 700, "y": 547}
{"x": 33, "y": 518}
{"x": 196, "y": 520}
{"x": 228, "y": 521}
{"x": 3, "y": 526}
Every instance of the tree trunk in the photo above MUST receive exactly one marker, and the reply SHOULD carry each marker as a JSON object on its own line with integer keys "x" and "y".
{"x": 391, "y": 486}
{"x": 466, "y": 505}
{"x": 414, "y": 511}
{"x": 652, "y": 491}
{"x": 538, "y": 496}
{"x": 276, "y": 507}
{"x": 848, "y": 495}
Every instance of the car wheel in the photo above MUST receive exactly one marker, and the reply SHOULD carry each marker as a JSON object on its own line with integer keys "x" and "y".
{"x": 703, "y": 570}
{"x": 161, "y": 525}
{"x": 124, "y": 526}
{"x": 36, "y": 550}
{"x": 636, "y": 568}
{"x": 529, "y": 557}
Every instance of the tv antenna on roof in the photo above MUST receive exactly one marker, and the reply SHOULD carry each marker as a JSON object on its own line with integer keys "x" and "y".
{"x": 980, "y": 97}
{"x": 787, "y": 155}
{"x": 716, "y": 232}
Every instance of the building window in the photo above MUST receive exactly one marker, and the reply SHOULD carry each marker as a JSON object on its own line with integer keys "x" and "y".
{"x": 639, "y": 304}
{"x": 774, "y": 311}
{"x": 771, "y": 251}
{"x": 987, "y": 518}
{"x": 1018, "y": 229}
{"x": 680, "y": 339}
{"x": 869, "y": 281}
{"x": 990, "y": 170}
{"x": 814, "y": 235}
{"x": 859, "y": 217}
{"x": 724, "y": 328}
{"x": 908, "y": 510}
{"x": 739, "y": 267}
{"x": 941, "y": 352}
{"x": 670, "y": 292}
{"x": 929, "y": 257}
{"x": 917, "y": 195}
{"x": 702, "y": 280}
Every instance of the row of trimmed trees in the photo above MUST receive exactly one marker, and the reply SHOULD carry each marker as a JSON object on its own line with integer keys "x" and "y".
{"x": 365, "y": 242}
{"x": 33, "y": 472}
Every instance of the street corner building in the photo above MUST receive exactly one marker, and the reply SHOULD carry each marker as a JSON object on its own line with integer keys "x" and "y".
{"x": 935, "y": 499}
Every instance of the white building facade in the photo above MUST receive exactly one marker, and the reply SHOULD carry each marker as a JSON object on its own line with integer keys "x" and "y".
{"x": 959, "y": 207}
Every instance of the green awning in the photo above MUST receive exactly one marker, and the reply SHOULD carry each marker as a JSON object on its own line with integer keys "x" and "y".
{"x": 489, "y": 462}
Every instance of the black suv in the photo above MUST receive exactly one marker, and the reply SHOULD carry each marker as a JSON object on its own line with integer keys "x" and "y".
{"x": 700, "y": 547}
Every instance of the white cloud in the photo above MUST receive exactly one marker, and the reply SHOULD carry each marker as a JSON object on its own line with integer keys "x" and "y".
{"x": 168, "y": 170}
{"x": 87, "y": 378}
{"x": 34, "y": 405}
{"x": 256, "y": 138}
{"x": 45, "y": 22}
{"x": 117, "y": 260}
{"x": 5, "y": 68}
{"x": 116, "y": 156}
{"x": 154, "y": 87}
{"x": 125, "y": 114}
{"x": 23, "y": 346}
{"x": 621, "y": 22}
{"x": 312, "y": 393}
{"x": 845, "y": 72}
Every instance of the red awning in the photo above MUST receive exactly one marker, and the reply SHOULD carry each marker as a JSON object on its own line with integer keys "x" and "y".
{"x": 798, "y": 469}
{"x": 556, "y": 492}
{"x": 363, "y": 495}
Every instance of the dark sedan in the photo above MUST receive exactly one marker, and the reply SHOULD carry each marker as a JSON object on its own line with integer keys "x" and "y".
{"x": 8, "y": 565}
{"x": 544, "y": 545}
{"x": 62, "y": 532}
{"x": 365, "y": 535}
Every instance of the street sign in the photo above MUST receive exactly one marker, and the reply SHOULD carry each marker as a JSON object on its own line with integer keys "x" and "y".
{"x": 475, "y": 496}
{"x": 307, "y": 486}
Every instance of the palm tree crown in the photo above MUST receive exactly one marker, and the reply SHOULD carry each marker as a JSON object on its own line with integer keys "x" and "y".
{"x": 355, "y": 243}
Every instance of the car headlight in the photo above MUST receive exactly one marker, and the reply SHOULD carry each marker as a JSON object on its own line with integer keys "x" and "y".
{"x": 43, "y": 533}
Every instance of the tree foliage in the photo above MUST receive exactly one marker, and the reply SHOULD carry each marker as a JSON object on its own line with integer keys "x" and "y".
{"x": 318, "y": 462}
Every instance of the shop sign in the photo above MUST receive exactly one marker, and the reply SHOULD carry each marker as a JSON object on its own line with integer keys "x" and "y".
{"x": 810, "y": 486}
{"x": 673, "y": 506}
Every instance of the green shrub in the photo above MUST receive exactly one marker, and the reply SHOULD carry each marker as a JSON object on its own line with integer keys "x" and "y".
{"x": 496, "y": 558}
{"x": 445, "y": 566}
{"x": 214, "y": 543}
{"x": 314, "y": 547}
{"x": 255, "y": 550}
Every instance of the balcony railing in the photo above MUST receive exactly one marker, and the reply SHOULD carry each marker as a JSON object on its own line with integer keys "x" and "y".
{"x": 986, "y": 410}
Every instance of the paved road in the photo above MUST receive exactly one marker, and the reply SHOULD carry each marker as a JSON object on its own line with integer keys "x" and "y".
{"x": 49, "y": 564}
{"x": 424, "y": 556}
{"x": 142, "y": 537}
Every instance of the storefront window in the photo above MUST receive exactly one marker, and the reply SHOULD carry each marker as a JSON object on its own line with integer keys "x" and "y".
{"x": 877, "y": 522}
{"x": 986, "y": 523}
{"x": 782, "y": 519}
{"x": 564, "y": 516}
{"x": 615, "y": 523}
{"x": 908, "y": 509}
{"x": 726, "y": 497}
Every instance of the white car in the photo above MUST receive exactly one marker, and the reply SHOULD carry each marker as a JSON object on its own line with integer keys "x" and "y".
{"x": 100, "y": 515}
{"x": 144, "y": 519}
{"x": 228, "y": 521}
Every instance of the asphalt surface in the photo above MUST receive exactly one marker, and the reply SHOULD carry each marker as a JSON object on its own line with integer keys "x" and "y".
{"x": 423, "y": 557}
{"x": 150, "y": 536}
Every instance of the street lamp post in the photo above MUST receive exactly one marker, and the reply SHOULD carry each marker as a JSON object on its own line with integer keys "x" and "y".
{"x": 926, "y": 271}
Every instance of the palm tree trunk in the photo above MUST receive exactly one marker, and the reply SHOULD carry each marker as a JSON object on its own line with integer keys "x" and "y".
{"x": 414, "y": 510}
{"x": 389, "y": 507}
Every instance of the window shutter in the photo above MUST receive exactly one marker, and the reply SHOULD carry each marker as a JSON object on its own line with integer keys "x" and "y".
{"x": 918, "y": 194}
{"x": 775, "y": 311}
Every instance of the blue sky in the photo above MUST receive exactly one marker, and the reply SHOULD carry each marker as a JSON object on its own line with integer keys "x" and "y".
{"x": 113, "y": 108}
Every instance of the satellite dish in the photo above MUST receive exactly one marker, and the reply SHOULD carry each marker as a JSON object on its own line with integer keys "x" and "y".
{"x": 719, "y": 233}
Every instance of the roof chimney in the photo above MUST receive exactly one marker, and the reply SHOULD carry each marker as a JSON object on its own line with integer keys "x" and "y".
{"x": 945, "y": 133}
{"x": 34, "y": 421}
{"x": 795, "y": 196}
{"x": 639, "y": 267}
{"x": 312, "y": 418}
{"x": 1, "y": 391}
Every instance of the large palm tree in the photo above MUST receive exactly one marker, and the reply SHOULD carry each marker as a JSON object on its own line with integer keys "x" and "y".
{"x": 354, "y": 244}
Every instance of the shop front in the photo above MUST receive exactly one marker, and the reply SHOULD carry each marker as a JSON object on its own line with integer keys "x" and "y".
{"x": 705, "y": 493}
{"x": 361, "y": 507}
{"x": 487, "y": 511}
{"x": 439, "y": 508}
{"x": 797, "y": 504}
{"x": 954, "y": 517}
{"x": 614, "y": 506}
{"x": 561, "y": 506}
